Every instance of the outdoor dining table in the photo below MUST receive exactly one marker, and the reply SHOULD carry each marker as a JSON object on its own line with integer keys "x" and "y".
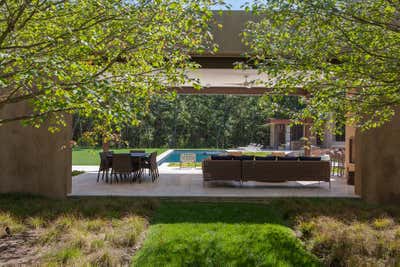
{"x": 133, "y": 155}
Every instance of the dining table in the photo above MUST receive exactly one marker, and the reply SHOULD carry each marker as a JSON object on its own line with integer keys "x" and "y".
{"x": 133, "y": 155}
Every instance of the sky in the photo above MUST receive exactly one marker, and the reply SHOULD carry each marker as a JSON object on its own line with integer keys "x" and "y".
{"x": 235, "y": 4}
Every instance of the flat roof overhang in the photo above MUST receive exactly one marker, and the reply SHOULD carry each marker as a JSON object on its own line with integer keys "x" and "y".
{"x": 218, "y": 62}
{"x": 274, "y": 121}
{"x": 226, "y": 90}
{"x": 228, "y": 81}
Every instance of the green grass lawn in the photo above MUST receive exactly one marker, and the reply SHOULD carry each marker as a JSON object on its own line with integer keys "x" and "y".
{"x": 90, "y": 156}
{"x": 185, "y": 165}
{"x": 257, "y": 154}
{"x": 223, "y": 234}
{"x": 76, "y": 173}
{"x": 278, "y": 232}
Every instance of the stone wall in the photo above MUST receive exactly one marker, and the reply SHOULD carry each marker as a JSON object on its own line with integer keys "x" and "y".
{"x": 33, "y": 160}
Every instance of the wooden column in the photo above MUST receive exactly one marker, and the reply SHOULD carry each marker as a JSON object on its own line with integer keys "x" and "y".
{"x": 272, "y": 138}
{"x": 287, "y": 136}
{"x": 307, "y": 135}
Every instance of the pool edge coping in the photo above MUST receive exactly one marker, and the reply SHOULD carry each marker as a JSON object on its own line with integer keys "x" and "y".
{"x": 164, "y": 155}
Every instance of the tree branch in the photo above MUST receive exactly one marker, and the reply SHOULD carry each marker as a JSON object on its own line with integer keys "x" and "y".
{"x": 36, "y": 115}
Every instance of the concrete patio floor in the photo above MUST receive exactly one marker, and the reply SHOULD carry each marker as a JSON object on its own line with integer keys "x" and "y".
{"x": 175, "y": 182}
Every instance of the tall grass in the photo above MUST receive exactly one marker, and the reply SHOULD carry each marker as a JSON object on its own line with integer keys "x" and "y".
{"x": 77, "y": 232}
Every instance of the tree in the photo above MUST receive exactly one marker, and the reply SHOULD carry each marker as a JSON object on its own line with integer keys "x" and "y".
{"x": 344, "y": 54}
{"x": 102, "y": 59}
{"x": 193, "y": 121}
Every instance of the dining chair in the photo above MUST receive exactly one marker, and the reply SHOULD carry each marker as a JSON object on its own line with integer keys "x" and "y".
{"x": 151, "y": 165}
{"x": 105, "y": 165}
{"x": 123, "y": 167}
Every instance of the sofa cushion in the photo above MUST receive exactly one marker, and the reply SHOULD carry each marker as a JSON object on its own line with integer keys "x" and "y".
{"x": 266, "y": 158}
{"x": 216, "y": 157}
{"x": 288, "y": 158}
{"x": 245, "y": 157}
{"x": 310, "y": 158}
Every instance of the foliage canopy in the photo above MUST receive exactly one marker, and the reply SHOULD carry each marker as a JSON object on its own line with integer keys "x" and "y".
{"x": 103, "y": 59}
{"x": 192, "y": 121}
{"x": 345, "y": 54}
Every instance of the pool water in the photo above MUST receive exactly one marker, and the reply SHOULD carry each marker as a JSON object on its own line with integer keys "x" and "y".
{"x": 175, "y": 155}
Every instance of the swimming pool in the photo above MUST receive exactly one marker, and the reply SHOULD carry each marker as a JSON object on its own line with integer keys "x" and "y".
{"x": 175, "y": 155}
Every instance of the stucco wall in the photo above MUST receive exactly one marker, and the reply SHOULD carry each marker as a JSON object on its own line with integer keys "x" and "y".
{"x": 33, "y": 160}
{"x": 378, "y": 162}
{"x": 229, "y": 37}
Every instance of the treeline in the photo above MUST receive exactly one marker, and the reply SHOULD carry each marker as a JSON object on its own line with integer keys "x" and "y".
{"x": 195, "y": 121}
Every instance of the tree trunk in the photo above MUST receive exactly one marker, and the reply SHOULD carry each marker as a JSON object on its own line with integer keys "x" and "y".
{"x": 106, "y": 146}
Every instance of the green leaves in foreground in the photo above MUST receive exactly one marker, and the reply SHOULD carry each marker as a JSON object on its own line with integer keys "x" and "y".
{"x": 103, "y": 59}
{"x": 344, "y": 54}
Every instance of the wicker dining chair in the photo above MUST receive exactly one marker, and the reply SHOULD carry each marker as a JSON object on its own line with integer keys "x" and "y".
{"x": 105, "y": 165}
{"x": 151, "y": 165}
{"x": 123, "y": 167}
{"x": 137, "y": 164}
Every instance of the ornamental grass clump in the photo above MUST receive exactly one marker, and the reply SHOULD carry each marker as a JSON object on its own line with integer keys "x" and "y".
{"x": 78, "y": 241}
{"x": 13, "y": 224}
{"x": 71, "y": 232}
{"x": 353, "y": 243}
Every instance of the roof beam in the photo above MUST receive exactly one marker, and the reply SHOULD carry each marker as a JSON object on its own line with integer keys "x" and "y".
{"x": 189, "y": 90}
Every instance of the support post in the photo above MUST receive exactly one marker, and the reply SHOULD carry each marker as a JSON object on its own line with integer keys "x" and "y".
{"x": 272, "y": 135}
{"x": 307, "y": 135}
{"x": 287, "y": 136}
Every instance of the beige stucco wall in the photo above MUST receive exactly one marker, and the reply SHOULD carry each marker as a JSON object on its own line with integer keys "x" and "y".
{"x": 377, "y": 165}
{"x": 229, "y": 36}
{"x": 33, "y": 160}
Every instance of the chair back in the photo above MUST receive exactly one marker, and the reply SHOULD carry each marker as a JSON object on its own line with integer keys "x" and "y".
{"x": 122, "y": 163}
{"x": 105, "y": 162}
{"x": 153, "y": 160}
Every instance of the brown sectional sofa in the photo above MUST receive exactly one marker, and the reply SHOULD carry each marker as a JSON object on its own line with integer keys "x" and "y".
{"x": 228, "y": 170}
{"x": 266, "y": 170}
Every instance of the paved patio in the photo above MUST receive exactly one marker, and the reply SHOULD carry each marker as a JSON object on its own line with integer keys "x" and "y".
{"x": 175, "y": 182}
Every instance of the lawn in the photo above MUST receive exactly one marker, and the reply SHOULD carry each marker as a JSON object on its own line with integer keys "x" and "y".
{"x": 148, "y": 232}
{"x": 76, "y": 173}
{"x": 185, "y": 165}
{"x": 223, "y": 234}
{"x": 90, "y": 156}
